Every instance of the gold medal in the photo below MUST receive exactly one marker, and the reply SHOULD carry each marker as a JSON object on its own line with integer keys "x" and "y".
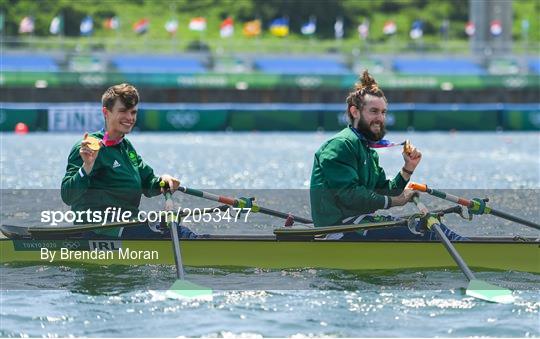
{"x": 94, "y": 144}
{"x": 407, "y": 148}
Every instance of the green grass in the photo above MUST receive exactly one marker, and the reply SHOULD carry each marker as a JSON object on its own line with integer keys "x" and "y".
{"x": 266, "y": 44}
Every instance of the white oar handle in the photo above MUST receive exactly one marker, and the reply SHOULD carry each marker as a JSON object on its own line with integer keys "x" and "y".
{"x": 420, "y": 205}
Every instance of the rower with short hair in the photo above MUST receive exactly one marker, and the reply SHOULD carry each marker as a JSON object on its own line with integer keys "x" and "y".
{"x": 347, "y": 183}
{"x": 104, "y": 170}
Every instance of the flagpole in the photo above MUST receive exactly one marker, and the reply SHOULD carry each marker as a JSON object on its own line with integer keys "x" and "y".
{"x": 393, "y": 38}
{"x": 2, "y": 29}
{"x": 233, "y": 40}
{"x": 259, "y": 36}
{"x": 201, "y": 33}
{"x": 363, "y": 32}
{"x": 145, "y": 38}
{"x": 116, "y": 30}
{"x": 445, "y": 33}
{"x": 174, "y": 41}
{"x": 525, "y": 34}
{"x": 62, "y": 31}
{"x": 339, "y": 32}
{"x": 2, "y": 25}
{"x": 176, "y": 38}
{"x": 286, "y": 41}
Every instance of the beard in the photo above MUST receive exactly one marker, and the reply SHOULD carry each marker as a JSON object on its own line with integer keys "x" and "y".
{"x": 365, "y": 128}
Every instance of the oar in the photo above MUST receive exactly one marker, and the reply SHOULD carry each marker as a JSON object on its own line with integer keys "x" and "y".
{"x": 40, "y": 232}
{"x": 182, "y": 288}
{"x": 476, "y": 288}
{"x": 239, "y": 203}
{"x": 289, "y": 232}
{"x": 472, "y": 204}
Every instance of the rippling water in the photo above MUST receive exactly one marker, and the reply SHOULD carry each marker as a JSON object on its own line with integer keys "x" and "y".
{"x": 284, "y": 160}
{"x": 116, "y": 301}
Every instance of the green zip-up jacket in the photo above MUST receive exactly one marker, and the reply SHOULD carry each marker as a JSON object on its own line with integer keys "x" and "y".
{"x": 118, "y": 179}
{"x": 347, "y": 180}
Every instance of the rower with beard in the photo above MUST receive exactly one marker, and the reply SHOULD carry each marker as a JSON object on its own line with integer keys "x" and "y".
{"x": 347, "y": 183}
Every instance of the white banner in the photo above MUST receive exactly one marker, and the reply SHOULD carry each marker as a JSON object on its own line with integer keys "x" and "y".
{"x": 82, "y": 118}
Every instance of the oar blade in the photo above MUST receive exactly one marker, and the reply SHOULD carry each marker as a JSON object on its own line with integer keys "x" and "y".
{"x": 186, "y": 290}
{"x": 485, "y": 291}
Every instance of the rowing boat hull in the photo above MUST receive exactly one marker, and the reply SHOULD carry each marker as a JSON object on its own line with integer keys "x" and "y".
{"x": 272, "y": 254}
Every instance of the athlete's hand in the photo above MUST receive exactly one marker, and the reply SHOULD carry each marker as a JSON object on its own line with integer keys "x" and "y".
{"x": 88, "y": 154}
{"x": 172, "y": 183}
{"x": 412, "y": 157}
{"x": 403, "y": 198}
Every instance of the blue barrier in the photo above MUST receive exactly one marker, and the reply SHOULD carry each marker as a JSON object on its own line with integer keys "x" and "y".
{"x": 28, "y": 63}
{"x": 534, "y": 65}
{"x": 158, "y": 64}
{"x": 438, "y": 67}
{"x": 289, "y": 65}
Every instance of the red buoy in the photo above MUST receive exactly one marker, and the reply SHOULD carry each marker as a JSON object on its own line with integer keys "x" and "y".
{"x": 21, "y": 128}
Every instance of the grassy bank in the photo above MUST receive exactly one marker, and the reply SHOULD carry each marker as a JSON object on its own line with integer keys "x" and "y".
{"x": 158, "y": 12}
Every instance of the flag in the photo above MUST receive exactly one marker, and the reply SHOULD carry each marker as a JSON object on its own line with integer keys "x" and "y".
{"x": 309, "y": 27}
{"x": 338, "y": 28}
{"x": 171, "y": 26}
{"x": 252, "y": 28}
{"x": 111, "y": 23}
{"x": 470, "y": 28}
{"x": 495, "y": 28}
{"x": 87, "y": 26}
{"x": 57, "y": 25}
{"x": 141, "y": 26}
{"x": 416, "y": 30}
{"x": 26, "y": 25}
{"x": 280, "y": 27}
{"x": 389, "y": 27}
{"x": 197, "y": 24}
{"x": 363, "y": 29}
{"x": 226, "y": 29}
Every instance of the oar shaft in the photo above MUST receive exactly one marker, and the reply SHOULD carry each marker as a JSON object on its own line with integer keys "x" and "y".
{"x": 209, "y": 196}
{"x": 440, "y": 194}
{"x": 284, "y": 232}
{"x": 435, "y": 224}
{"x": 177, "y": 253}
{"x": 469, "y": 203}
{"x": 400, "y": 221}
{"x": 175, "y": 239}
{"x": 513, "y": 218}
{"x": 455, "y": 255}
{"x": 236, "y": 203}
{"x": 278, "y": 214}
